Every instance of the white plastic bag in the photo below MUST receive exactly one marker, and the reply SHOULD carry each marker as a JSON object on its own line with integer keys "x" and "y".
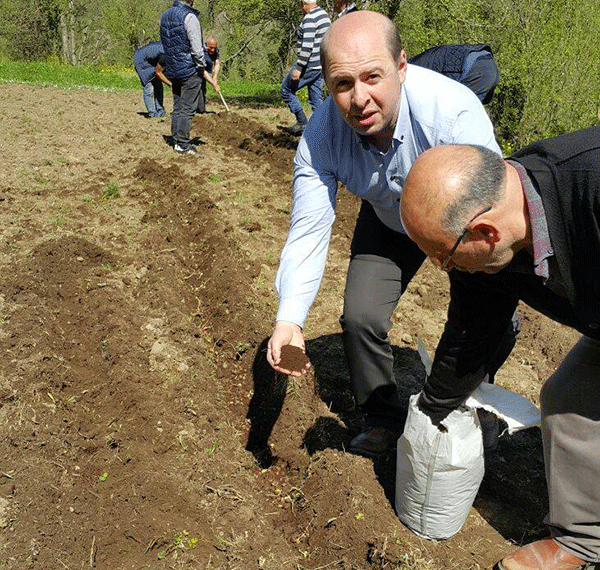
{"x": 518, "y": 412}
{"x": 438, "y": 473}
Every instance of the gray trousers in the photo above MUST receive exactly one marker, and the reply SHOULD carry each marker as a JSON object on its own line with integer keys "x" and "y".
{"x": 186, "y": 93}
{"x": 382, "y": 263}
{"x": 570, "y": 405}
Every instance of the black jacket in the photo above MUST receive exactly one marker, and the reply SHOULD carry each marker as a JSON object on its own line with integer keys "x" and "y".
{"x": 566, "y": 172}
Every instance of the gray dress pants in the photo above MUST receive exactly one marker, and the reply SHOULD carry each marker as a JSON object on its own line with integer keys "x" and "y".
{"x": 570, "y": 405}
{"x": 382, "y": 264}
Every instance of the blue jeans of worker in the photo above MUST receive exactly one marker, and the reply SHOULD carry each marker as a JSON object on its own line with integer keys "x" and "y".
{"x": 186, "y": 94}
{"x": 482, "y": 78}
{"x": 153, "y": 98}
{"x": 311, "y": 78}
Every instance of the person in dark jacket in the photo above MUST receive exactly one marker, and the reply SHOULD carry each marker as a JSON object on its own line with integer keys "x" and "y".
{"x": 181, "y": 36}
{"x": 211, "y": 71}
{"x": 525, "y": 229}
{"x": 146, "y": 60}
{"x": 472, "y": 65}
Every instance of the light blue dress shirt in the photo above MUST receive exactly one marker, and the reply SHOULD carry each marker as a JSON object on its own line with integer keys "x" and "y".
{"x": 434, "y": 110}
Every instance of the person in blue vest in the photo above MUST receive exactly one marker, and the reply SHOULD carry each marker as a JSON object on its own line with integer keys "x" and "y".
{"x": 211, "y": 72}
{"x": 149, "y": 61}
{"x": 181, "y": 36}
{"x": 472, "y": 65}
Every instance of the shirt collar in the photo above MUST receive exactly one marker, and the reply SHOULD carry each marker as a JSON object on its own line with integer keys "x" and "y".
{"x": 542, "y": 247}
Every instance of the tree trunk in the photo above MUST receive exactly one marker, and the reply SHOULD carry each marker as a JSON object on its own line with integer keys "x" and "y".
{"x": 67, "y": 33}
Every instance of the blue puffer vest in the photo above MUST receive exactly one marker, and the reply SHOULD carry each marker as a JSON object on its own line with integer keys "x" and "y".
{"x": 145, "y": 60}
{"x": 180, "y": 64}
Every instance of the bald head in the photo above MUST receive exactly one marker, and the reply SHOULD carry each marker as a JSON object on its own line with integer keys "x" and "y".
{"x": 447, "y": 184}
{"x": 465, "y": 208}
{"x": 360, "y": 26}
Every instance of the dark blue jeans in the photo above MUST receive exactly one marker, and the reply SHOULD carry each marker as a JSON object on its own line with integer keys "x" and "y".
{"x": 186, "y": 93}
{"x": 312, "y": 79}
{"x": 482, "y": 79}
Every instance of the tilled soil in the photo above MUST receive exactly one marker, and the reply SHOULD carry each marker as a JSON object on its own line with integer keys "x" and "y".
{"x": 140, "y": 424}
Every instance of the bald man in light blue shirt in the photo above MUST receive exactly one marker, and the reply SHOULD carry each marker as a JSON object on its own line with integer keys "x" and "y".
{"x": 382, "y": 113}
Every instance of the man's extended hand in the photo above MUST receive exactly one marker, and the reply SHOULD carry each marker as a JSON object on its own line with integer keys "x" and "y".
{"x": 296, "y": 75}
{"x": 287, "y": 336}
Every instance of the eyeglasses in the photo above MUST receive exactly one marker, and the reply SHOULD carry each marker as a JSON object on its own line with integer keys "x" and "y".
{"x": 443, "y": 265}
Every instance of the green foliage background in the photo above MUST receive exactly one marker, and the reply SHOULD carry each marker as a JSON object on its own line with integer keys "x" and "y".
{"x": 547, "y": 51}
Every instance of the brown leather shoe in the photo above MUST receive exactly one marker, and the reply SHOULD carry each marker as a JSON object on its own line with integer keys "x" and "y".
{"x": 373, "y": 442}
{"x": 541, "y": 555}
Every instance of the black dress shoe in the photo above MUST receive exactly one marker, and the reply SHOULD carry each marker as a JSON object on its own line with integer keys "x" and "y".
{"x": 374, "y": 442}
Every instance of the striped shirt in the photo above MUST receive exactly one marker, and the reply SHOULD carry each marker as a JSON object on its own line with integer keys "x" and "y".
{"x": 310, "y": 33}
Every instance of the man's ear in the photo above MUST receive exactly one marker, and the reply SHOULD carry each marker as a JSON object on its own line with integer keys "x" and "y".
{"x": 402, "y": 66}
{"x": 489, "y": 232}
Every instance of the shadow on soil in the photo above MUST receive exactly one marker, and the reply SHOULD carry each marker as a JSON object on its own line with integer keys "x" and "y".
{"x": 512, "y": 497}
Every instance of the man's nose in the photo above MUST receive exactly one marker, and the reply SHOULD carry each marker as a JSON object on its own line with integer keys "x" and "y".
{"x": 360, "y": 95}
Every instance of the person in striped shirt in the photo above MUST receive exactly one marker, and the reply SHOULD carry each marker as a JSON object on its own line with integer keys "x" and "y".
{"x": 306, "y": 71}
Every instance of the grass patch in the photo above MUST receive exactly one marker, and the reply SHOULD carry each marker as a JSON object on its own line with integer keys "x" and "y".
{"x": 250, "y": 93}
{"x": 119, "y": 78}
{"x": 51, "y": 73}
{"x": 111, "y": 191}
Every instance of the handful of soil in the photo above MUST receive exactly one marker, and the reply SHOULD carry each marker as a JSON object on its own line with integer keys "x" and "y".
{"x": 293, "y": 359}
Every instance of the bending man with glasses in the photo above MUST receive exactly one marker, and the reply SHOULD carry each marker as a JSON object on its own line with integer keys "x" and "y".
{"x": 381, "y": 114}
{"x": 525, "y": 229}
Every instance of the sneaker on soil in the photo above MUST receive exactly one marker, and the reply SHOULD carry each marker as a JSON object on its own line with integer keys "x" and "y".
{"x": 186, "y": 150}
{"x": 296, "y": 129}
